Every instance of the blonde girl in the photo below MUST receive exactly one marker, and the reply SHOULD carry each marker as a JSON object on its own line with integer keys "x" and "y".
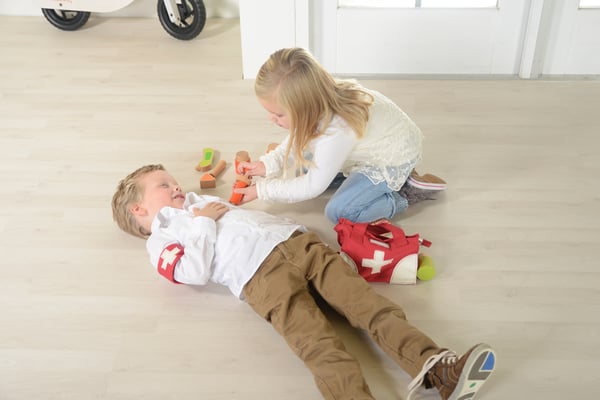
{"x": 341, "y": 135}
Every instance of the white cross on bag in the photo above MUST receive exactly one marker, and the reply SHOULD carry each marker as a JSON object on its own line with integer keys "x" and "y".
{"x": 377, "y": 262}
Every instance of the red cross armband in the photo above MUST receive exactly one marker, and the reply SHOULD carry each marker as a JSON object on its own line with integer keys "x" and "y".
{"x": 168, "y": 259}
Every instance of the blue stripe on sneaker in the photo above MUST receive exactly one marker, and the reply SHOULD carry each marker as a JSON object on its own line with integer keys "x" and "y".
{"x": 489, "y": 363}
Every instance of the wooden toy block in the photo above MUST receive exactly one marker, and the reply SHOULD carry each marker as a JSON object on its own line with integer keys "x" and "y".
{"x": 207, "y": 158}
{"x": 271, "y": 147}
{"x": 209, "y": 179}
{"x": 241, "y": 181}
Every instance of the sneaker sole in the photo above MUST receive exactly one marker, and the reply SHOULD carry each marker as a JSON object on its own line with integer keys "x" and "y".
{"x": 434, "y": 187}
{"x": 477, "y": 369}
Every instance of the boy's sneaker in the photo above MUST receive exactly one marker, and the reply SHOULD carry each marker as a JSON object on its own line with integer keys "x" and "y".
{"x": 426, "y": 181}
{"x": 456, "y": 378}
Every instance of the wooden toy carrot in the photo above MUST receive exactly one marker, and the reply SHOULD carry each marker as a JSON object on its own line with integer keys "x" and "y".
{"x": 209, "y": 179}
{"x": 242, "y": 181}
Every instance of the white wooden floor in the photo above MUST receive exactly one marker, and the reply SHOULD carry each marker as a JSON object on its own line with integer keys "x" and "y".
{"x": 84, "y": 316}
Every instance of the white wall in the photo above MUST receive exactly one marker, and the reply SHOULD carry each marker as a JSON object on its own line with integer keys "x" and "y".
{"x": 139, "y": 8}
{"x": 268, "y": 25}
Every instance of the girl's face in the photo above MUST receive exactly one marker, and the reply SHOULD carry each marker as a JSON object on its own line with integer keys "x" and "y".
{"x": 277, "y": 114}
{"x": 160, "y": 190}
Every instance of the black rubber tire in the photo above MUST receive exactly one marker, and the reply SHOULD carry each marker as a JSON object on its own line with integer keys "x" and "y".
{"x": 192, "y": 12}
{"x": 66, "y": 20}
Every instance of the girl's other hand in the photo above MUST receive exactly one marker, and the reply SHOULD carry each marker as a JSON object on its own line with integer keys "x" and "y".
{"x": 248, "y": 192}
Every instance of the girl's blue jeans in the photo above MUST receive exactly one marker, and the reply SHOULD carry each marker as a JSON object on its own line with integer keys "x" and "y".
{"x": 359, "y": 200}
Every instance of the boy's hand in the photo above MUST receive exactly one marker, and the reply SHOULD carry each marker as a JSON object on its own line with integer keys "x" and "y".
{"x": 212, "y": 210}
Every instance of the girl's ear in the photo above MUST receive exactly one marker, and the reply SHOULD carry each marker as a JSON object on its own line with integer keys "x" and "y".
{"x": 137, "y": 209}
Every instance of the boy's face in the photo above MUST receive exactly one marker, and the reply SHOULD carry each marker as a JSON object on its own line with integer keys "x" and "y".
{"x": 160, "y": 190}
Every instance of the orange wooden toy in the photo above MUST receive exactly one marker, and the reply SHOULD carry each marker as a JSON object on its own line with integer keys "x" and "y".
{"x": 241, "y": 181}
{"x": 209, "y": 179}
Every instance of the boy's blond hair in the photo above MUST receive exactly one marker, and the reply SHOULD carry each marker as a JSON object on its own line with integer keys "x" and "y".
{"x": 312, "y": 96}
{"x": 129, "y": 191}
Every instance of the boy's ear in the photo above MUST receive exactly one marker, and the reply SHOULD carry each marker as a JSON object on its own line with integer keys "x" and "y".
{"x": 138, "y": 210}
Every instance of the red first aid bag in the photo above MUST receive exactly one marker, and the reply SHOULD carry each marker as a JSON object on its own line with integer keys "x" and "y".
{"x": 380, "y": 251}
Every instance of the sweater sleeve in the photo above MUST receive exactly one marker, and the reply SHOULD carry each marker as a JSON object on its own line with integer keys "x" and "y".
{"x": 329, "y": 153}
{"x": 275, "y": 160}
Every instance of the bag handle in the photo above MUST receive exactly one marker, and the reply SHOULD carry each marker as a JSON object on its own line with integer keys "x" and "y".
{"x": 381, "y": 232}
{"x": 363, "y": 231}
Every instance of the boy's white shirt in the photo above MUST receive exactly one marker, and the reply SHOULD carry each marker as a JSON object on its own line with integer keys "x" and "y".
{"x": 390, "y": 149}
{"x": 227, "y": 251}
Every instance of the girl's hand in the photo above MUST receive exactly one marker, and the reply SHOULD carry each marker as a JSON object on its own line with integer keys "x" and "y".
{"x": 252, "y": 168}
{"x": 248, "y": 192}
{"x": 212, "y": 210}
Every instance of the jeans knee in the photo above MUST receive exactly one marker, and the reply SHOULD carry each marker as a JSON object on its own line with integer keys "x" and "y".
{"x": 331, "y": 212}
{"x": 334, "y": 213}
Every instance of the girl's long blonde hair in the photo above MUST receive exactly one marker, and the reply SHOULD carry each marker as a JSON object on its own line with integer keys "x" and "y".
{"x": 312, "y": 97}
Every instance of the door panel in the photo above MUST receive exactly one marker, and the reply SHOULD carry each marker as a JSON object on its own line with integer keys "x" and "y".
{"x": 574, "y": 41}
{"x": 427, "y": 41}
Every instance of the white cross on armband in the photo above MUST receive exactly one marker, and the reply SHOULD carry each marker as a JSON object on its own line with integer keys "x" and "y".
{"x": 168, "y": 256}
{"x": 168, "y": 259}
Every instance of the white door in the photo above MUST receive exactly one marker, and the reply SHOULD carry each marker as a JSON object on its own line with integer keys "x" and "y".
{"x": 526, "y": 38}
{"x": 573, "y": 42}
{"x": 399, "y": 40}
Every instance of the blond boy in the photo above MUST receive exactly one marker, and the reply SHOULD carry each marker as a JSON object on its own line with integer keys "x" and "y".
{"x": 270, "y": 263}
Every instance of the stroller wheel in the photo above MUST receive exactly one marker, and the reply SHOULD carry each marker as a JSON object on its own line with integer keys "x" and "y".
{"x": 65, "y": 19}
{"x": 192, "y": 15}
